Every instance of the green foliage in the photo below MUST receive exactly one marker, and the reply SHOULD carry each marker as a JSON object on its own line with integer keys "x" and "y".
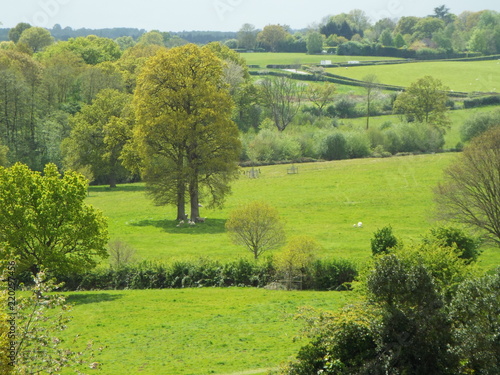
{"x": 98, "y": 134}
{"x": 16, "y": 31}
{"x": 45, "y": 222}
{"x": 466, "y": 246}
{"x": 314, "y": 42}
{"x": 478, "y": 123}
{"x": 383, "y": 241}
{"x": 476, "y": 323}
{"x": 295, "y": 258}
{"x": 424, "y": 101}
{"x": 271, "y": 36}
{"x": 186, "y": 147}
{"x": 36, "y": 38}
{"x": 335, "y": 147}
{"x": 256, "y": 226}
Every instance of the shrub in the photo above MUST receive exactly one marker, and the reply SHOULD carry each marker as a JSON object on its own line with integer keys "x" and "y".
{"x": 335, "y": 147}
{"x": 383, "y": 241}
{"x": 358, "y": 145}
{"x": 466, "y": 247}
{"x": 478, "y": 123}
{"x": 333, "y": 274}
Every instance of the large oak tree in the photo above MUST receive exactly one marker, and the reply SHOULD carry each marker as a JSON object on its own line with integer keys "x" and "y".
{"x": 184, "y": 141}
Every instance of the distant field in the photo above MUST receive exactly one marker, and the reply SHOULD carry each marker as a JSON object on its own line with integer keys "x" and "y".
{"x": 263, "y": 59}
{"x": 193, "y": 331}
{"x": 482, "y": 76}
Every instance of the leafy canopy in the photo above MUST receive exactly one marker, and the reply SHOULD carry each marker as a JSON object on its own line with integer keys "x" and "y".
{"x": 44, "y": 221}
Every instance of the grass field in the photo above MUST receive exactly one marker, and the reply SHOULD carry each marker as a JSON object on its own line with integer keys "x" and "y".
{"x": 267, "y": 58}
{"x": 243, "y": 331}
{"x": 193, "y": 331}
{"x": 472, "y": 76}
{"x": 323, "y": 200}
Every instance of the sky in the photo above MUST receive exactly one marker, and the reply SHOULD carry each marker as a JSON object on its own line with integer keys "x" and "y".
{"x": 212, "y": 15}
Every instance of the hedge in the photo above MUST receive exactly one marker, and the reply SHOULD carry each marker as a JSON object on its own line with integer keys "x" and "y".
{"x": 321, "y": 275}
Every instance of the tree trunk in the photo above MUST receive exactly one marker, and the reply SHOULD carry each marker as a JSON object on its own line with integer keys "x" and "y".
{"x": 194, "y": 198}
{"x": 181, "y": 203}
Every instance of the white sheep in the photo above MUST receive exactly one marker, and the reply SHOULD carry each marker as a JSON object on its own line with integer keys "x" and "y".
{"x": 360, "y": 225}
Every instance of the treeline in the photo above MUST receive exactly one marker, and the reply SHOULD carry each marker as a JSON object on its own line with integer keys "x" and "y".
{"x": 66, "y": 33}
{"x": 441, "y": 33}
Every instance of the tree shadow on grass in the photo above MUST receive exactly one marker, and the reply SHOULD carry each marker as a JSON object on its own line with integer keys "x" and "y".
{"x": 210, "y": 226}
{"x": 83, "y": 299}
{"x": 118, "y": 188}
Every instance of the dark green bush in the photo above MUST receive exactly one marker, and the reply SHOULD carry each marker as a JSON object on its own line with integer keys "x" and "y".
{"x": 335, "y": 147}
{"x": 383, "y": 241}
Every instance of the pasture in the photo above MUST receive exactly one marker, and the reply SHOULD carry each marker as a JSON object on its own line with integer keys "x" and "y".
{"x": 193, "y": 331}
{"x": 323, "y": 200}
{"x": 245, "y": 330}
{"x": 473, "y": 76}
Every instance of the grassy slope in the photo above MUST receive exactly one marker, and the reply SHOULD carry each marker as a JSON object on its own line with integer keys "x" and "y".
{"x": 324, "y": 200}
{"x": 193, "y": 331}
{"x": 459, "y": 76}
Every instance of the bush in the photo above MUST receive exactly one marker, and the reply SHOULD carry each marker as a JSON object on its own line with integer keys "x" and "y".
{"x": 466, "y": 247}
{"x": 335, "y": 147}
{"x": 383, "y": 241}
{"x": 358, "y": 145}
{"x": 330, "y": 275}
{"x": 478, "y": 123}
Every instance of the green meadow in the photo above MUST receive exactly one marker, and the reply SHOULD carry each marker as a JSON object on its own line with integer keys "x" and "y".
{"x": 236, "y": 331}
{"x": 193, "y": 331}
{"x": 324, "y": 200}
{"x": 473, "y": 76}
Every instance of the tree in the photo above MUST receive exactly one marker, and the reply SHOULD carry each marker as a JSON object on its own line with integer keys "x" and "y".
{"x": 470, "y": 192}
{"x": 98, "y": 134}
{"x": 425, "y": 27}
{"x": 383, "y": 241}
{"x": 314, "y": 43}
{"x": 257, "y": 226}
{"x": 297, "y": 256}
{"x": 45, "y": 222}
{"x": 386, "y": 38}
{"x": 424, "y": 101}
{"x": 476, "y": 323}
{"x": 272, "y": 35}
{"x": 321, "y": 95}
{"x": 184, "y": 136}
{"x": 16, "y": 31}
{"x": 247, "y": 37}
{"x": 36, "y": 38}
{"x": 282, "y": 97}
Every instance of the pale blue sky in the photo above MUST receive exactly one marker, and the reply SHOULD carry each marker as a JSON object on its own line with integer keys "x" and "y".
{"x": 220, "y": 15}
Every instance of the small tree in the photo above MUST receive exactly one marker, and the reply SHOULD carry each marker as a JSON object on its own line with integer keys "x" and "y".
{"x": 282, "y": 97}
{"x": 424, "y": 101}
{"x": 39, "y": 317}
{"x": 45, "y": 222}
{"x": 257, "y": 226}
{"x": 297, "y": 256}
{"x": 383, "y": 240}
{"x": 470, "y": 192}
